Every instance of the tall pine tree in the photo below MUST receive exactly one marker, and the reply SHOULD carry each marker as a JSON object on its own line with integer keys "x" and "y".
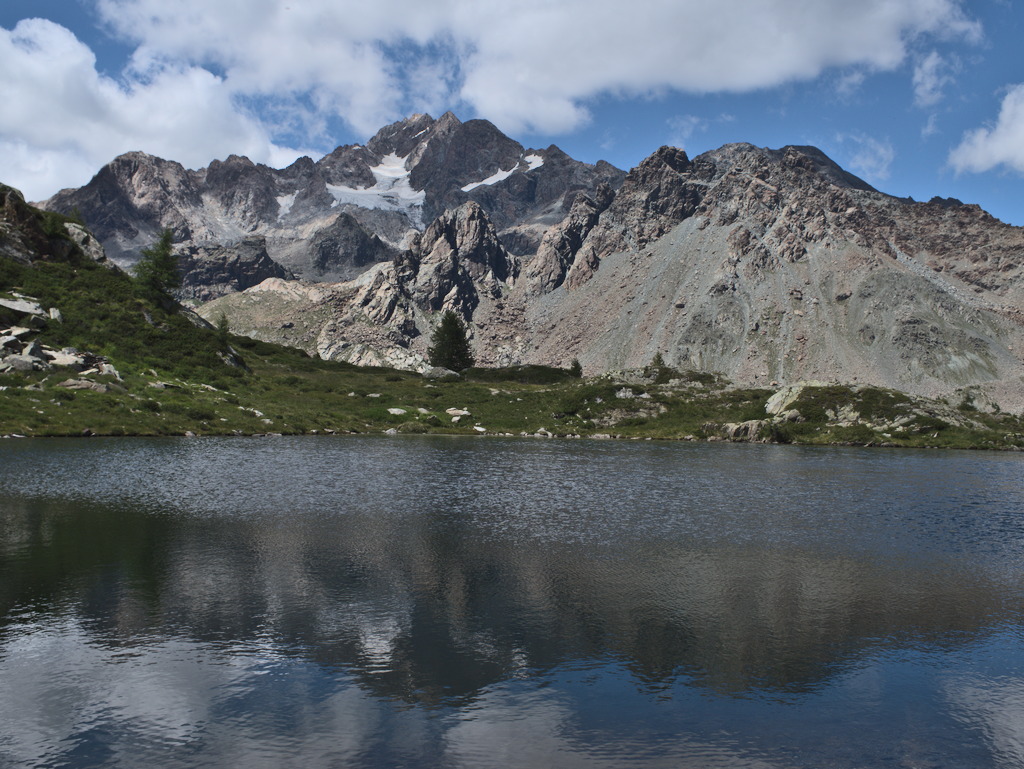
{"x": 449, "y": 347}
{"x": 156, "y": 272}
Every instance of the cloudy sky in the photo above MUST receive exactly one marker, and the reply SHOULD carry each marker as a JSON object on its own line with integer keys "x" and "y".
{"x": 919, "y": 97}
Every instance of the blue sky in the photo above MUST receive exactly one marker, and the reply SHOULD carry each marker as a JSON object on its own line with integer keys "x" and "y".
{"x": 918, "y": 97}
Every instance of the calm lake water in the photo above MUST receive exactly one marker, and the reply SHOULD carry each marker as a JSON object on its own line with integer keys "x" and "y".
{"x": 435, "y": 602}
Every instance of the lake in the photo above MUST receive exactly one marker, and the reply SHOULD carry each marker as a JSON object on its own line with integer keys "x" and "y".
{"x": 449, "y": 602}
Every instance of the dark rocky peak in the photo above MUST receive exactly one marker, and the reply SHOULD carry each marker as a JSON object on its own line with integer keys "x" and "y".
{"x": 813, "y": 159}
{"x": 301, "y": 190}
{"x": 460, "y": 154}
{"x": 132, "y": 197}
{"x": 666, "y": 188}
{"x": 302, "y": 168}
{"x": 402, "y": 138}
{"x": 606, "y": 169}
{"x": 153, "y": 177}
{"x": 559, "y": 175}
{"x": 789, "y": 165}
{"x": 231, "y": 169}
{"x": 214, "y": 270}
{"x": 244, "y": 188}
{"x": 348, "y": 166}
{"x": 343, "y": 249}
{"x": 656, "y": 195}
{"x": 467, "y": 232}
{"x": 958, "y": 207}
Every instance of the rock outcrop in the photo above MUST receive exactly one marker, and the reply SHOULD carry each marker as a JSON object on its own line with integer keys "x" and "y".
{"x": 384, "y": 317}
{"x": 457, "y": 262}
{"x": 211, "y": 271}
{"x": 21, "y": 351}
{"x": 26, "y": 236}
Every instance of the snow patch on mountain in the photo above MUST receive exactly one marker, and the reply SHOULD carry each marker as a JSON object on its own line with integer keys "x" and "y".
{"x": 532, "y": 162}
{"x": 492, "y": 179}
{"x": 392, "y": 192}
{"x": 285, "y": 203}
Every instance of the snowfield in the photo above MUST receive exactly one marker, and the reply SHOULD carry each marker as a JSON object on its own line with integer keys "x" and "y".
{"x": 392, "y": 192}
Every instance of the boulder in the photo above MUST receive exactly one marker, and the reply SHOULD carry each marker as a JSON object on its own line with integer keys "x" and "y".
{"x": 22, "y": 363}
{"x": 439, "y": 372}
{"x": 91, "y": 247}
{"x": 84, "y": 384}
{"x": 66, "y": 358}
{"x": 745, "y": 431}
{"x": 780, "y": 402}
{"x": 22, "y": 306}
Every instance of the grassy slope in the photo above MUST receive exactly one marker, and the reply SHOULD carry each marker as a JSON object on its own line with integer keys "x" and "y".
{"x": 285, "y": 391}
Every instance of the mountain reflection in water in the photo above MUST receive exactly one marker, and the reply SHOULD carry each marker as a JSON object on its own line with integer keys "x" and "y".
{"x": 446, "y": 602}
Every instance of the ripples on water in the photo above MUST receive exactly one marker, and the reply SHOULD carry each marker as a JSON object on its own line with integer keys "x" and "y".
{"x": 452, "y": 602}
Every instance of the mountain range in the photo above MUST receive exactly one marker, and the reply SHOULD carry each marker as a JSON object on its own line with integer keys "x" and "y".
{"x": 767, "y": 266}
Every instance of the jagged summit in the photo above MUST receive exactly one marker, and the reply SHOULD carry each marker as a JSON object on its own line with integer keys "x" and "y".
{"x": 409, "y": 173}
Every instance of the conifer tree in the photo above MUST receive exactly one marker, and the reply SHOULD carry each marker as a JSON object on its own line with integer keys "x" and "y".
{"x": 449, "y": 347}
{"x": 156, "y": 272}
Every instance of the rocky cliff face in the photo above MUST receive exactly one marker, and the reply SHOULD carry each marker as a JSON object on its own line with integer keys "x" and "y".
{"x": 331, "y": 219}
{"x": 212, "y": 271}
{"x": 385, "y": 316}
{"x": 763, "y": 265}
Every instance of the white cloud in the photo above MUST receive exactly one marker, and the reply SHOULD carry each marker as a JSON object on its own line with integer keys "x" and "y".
{"x": 869, "y": 157}
{"x": 526, "y": 65}
{"x": 62, "y": 120}
{"x": 682, "y": 127}
{"x": 931, "y": 74}
{"x": 1002, "y": 144}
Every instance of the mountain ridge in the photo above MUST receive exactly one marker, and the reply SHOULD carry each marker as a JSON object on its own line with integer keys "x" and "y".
{"x": 403, "y": 178}
{"x": 767, "y": 266}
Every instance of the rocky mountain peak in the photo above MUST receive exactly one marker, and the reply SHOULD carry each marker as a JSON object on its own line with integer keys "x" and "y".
{"x": 458, "y": 258}
{"x": 407, "y": 175}
{"x": 401, "y": 138}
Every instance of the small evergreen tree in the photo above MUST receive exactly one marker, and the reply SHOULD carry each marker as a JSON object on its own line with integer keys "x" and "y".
{"x": 223, "y": 329}
{"x": 156, "y": 272}
{"x": 449, "y": 347}
{"x": 575, "y": 369}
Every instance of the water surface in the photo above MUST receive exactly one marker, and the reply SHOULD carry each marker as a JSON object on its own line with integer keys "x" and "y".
{"x": 428, "y": 601}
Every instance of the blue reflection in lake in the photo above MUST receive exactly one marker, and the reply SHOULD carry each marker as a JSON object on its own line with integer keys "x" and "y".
{"x": 455, "y": 602}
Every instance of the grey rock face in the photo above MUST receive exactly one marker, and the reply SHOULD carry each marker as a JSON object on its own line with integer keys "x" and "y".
{"x": 132, "y": 199}
{"x": 212, "y": 271}
{"x": 456, "y": 260}
{"x": 343, "y": 249}
{"x": 90, "y": 246}
{"x": 23, "y": 236}
{"x": 558, "y": 250}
